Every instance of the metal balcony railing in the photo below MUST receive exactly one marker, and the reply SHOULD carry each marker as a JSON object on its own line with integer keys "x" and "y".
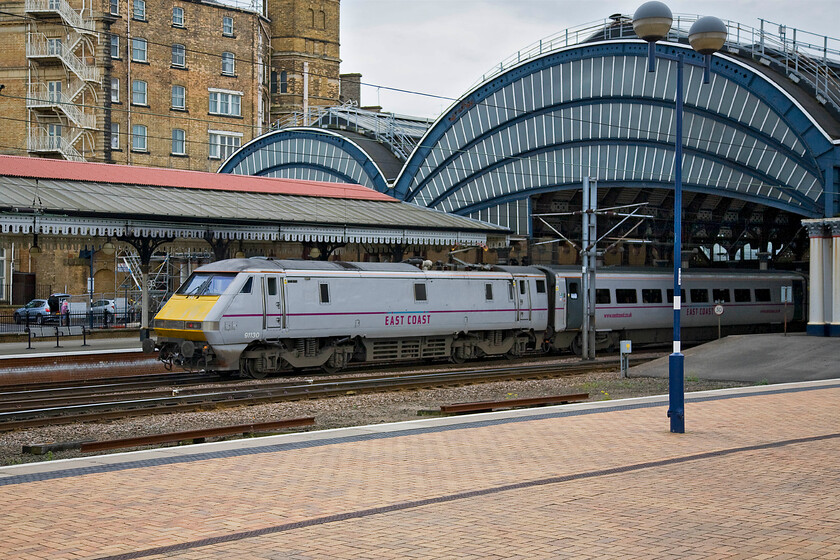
{"x": 62, "y": 8}
{"x": 40, "y": 97}
{"x": 40, "y": 141}
{"x": 37, "y": 46}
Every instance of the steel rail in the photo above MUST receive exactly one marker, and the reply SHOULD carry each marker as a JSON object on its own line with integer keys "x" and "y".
{"x": 209, "y": 400}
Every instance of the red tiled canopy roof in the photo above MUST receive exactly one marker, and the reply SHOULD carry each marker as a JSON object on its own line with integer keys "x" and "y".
{"x": 41, "y": 168}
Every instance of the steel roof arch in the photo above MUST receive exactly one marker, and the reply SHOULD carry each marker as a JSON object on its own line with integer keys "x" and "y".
{"x": 373, "y": 176}
{"x": 800, "y": 138}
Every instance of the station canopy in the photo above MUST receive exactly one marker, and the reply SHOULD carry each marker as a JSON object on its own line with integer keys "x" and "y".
{"x": 67, "y": 203}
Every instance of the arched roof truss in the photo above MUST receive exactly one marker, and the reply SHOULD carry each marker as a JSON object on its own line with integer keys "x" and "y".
{"x": 309, "y": 154}
{"x": 595, "y": 110}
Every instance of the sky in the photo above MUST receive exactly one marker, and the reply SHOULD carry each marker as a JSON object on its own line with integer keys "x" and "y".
{"x": 443, "y": 47}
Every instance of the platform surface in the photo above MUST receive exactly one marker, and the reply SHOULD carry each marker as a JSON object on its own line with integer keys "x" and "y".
{"x": 756, "y": 475}
{"x": 47, "y": 346}
{"x": 756, "y": 358}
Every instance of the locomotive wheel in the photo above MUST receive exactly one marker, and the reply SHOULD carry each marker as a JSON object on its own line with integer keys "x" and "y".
{"x": 249, "y": 370}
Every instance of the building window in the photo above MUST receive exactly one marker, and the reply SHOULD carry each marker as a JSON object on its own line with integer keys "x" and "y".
{"x": 177, "y": 16}
{"x": 223, "y": 144}
{"x": 139, "y": 10}
{"x": 115, "y": 7}
{"x": 179, "y": 142}
{"x": 228, "y": 66}
{"x": 179, "y": 56}
{"x": 284, "y": 82}
{"x": 115, "y": 90}
{"x": 54, "y": 46}
{"x": 54, "y": 91}
{"x": 179, "y": 97}
{"x": 226, "y": 103}
{"x": 54, "y": 136}
{"x": 115, "y": 46}
{"x": 138, "y": 138}
{"x": 138, "y": 50}
{"x": 115, "y": 136}
{"x": 227, "y": 26}
{"x": 138, "y": 92}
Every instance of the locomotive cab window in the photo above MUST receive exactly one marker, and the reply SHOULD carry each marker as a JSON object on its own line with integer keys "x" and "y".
{"x": 762, "y": 295}
{"x": 602, "y": 296}
{"x": 720, "y": 295}
{"x": 419, "y": 292}
{"x": 488, "y": 292}
{"x": 540, "y": 286}
{"x": 742, "y": 295}
{"x": 271, "y": 285}
{"x": 651, "y": 296}
{"x": 246, "y": 288}
{"x": 325, "y": 292}
{"x": 206, "y": 284}
{"x": 624, "y": 295}
{"x": 699, "y": 295}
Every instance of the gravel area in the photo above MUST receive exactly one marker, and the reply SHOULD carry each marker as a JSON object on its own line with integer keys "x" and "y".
{"x": 351, "y": 410}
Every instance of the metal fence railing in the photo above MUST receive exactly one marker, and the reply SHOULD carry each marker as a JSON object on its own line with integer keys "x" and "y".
{"x": 11, "y": 322}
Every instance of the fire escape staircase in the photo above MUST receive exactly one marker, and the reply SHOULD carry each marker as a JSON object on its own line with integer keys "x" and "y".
{"x": 44, "y": 102}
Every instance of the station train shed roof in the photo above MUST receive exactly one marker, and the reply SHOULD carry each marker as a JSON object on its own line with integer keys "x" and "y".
{"x": 73, "y": 199}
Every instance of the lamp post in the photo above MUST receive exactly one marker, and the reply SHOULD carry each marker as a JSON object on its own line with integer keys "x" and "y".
{"x": 652, "y": 22}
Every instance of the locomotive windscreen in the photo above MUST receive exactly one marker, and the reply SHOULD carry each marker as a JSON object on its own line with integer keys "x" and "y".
{"x": 206, "y": 284}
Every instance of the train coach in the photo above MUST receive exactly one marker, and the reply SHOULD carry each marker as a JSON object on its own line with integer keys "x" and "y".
{"x": 261, "y": 317}
{"x": 636, "y": 304}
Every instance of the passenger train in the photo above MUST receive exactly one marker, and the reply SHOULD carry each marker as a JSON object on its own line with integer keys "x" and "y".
{"x": 260, "y": 317}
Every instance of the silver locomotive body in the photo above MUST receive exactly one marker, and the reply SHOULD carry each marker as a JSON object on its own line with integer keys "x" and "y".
{"x": 277, "y": 315}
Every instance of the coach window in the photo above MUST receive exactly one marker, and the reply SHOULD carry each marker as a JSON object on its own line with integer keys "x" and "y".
{"x": 651, "y": 296}
{"x": 325, "y": 293}
{"x": 720, "y": 295}
{"x": 602, "y": 296}
{"x": 510, "y": 289}
{"x": 488, "y": 292}
{"x": 522, "y": 287}
{"x": 762, "y": 294}
{"x": 271, "y": 285}
{"x": 573, "y": 290}
{"x": 246, "y": 288}
{"x": 623, "y": 295}
{"x": 419, "y": 292}
{"x": 671, "y": 295}
{"x": 699, "y": 295}
{"x": 540, "y": 286}
{"x": 742, "y": 295}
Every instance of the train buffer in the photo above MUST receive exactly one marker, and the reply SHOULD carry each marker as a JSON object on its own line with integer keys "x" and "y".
{"x": 489, "y": 406}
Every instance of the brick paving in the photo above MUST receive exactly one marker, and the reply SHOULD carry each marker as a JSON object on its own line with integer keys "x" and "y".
{"x": 754, "y": 477}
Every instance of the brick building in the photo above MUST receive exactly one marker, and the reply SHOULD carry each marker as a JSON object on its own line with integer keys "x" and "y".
{"x": 177, "y": 84}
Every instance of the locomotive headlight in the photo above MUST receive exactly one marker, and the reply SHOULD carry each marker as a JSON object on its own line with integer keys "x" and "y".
{"x": 210, "y": 326}
{"x": 192, "y": 325}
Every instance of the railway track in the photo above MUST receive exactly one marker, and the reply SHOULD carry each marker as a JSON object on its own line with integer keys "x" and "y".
{"x": 28, "y": 411}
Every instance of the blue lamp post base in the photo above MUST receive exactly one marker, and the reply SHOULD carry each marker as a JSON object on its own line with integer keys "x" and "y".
{"x": 676, "y": 393}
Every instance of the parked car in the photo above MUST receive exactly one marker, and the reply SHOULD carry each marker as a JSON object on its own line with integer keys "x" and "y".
{"x": 37, "y": 311}
{"x": 102, "y": 306}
